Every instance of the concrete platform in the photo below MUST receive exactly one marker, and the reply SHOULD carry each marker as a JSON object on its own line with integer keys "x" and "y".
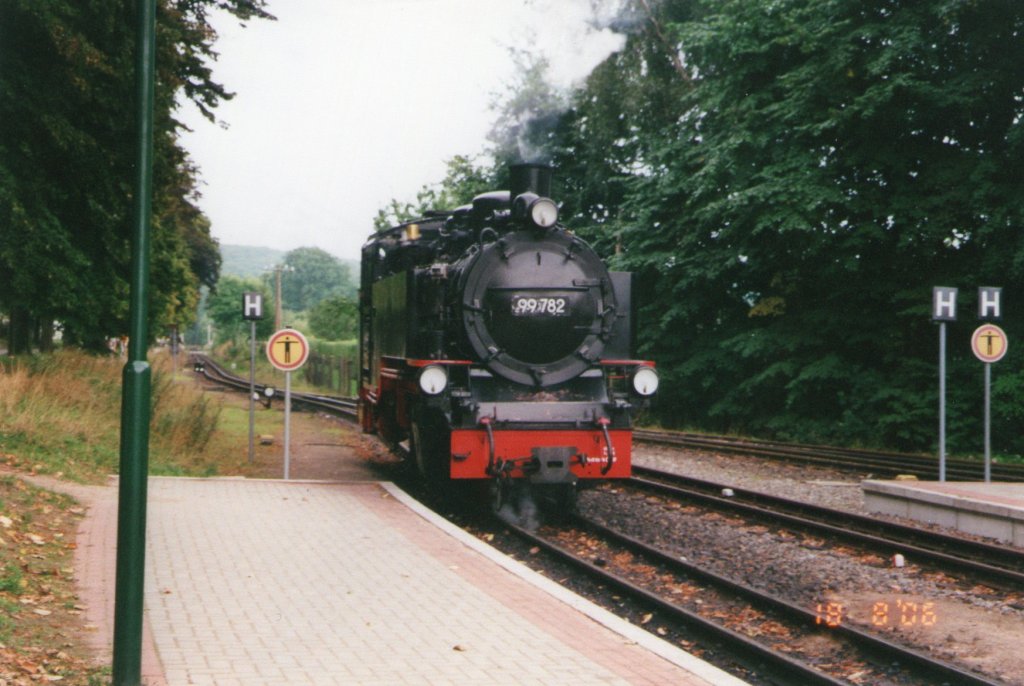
{"x": 995, "y": 510}
{"x": 262, "y": 582}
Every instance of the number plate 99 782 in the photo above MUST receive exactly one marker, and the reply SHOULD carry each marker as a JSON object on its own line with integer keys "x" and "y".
{"x": 526, "y": 306}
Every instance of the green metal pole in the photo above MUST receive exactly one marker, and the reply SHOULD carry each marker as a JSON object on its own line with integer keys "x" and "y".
{"x": 135, "y": 398}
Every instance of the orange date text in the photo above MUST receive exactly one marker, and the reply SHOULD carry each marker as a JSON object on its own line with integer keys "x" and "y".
{"x": 883, "y": 614}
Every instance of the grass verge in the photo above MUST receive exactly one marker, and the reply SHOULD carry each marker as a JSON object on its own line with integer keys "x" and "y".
{"x": 60, "y": 414}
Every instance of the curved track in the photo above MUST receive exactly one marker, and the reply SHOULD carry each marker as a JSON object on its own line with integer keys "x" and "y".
{"x": 214, "y": 372}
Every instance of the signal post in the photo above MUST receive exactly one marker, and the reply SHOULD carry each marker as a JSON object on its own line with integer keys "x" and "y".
{"x": 287, "y": 350}
{"x": 252, "y": 310}
{"x": 943, "y": 310}
{"x": 989, "y": 345}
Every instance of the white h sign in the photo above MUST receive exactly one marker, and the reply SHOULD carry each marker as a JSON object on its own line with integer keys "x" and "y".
{"x": 252, "y": 306}
{"x": 943, "y": 304}
{"x": 990, "y": 303}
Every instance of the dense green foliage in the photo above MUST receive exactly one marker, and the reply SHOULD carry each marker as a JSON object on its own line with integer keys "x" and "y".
{"x": 335, "y": 319}
{"x": 317, "y": 294}
{"x": 66, "y": 159}
{"x": 224, "y": 308}
{"x": 788, "y": 179}
{"x": 312, "y": 275}
{"x": 831, "y": 163}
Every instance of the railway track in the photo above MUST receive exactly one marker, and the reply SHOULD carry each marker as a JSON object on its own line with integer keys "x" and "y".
{"x": 851, "y": 459}
{"x": 654, "y": 578}
{"x": 996, "y": 564}
{"x": 781, "y": 657}
{"x": 847, "y": 459}
{"x": 204, "y": 365}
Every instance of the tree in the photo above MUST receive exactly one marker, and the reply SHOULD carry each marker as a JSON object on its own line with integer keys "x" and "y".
{"x": 66, "y": 164}
{"x": 616, "y": 121}
{"x": 833, "y": 161}
{"x": 58, "y": 71}
{"x": 315, "y": 275}
{"x": 224, "y": 308}
{"x": 464, "y": 178}
{"x": 335, "y": 319}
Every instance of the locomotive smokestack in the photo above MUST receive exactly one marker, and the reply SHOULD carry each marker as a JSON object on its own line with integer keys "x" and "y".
{"x": 533, "y": 178}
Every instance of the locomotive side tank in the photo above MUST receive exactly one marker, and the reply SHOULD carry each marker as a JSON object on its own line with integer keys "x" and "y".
{"x": 499, "y": 345}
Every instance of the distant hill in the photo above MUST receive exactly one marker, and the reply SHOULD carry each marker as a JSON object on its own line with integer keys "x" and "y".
{"x": 253, "y": 261}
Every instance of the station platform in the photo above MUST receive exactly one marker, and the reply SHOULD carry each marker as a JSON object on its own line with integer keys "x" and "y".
{"x": 995, "y": 510}
{"x": 267, "y": 582}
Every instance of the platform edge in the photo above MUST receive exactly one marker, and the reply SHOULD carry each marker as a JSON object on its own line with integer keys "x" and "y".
{"x": 659, "y": 647}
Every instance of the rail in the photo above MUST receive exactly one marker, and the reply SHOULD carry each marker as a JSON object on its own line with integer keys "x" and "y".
{"x": 786, "y": 668}
{"x": 994, "y": 563}
{"x": 204, "y": 365}
{"x": 849, "y": 459}
{"x": 854, "y": 459}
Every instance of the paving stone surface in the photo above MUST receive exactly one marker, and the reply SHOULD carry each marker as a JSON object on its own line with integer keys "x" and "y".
{"x": 271, "y": 582}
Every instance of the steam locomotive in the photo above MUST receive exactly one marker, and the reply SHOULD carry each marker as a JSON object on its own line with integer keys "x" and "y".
{"x": 500, "y": 347}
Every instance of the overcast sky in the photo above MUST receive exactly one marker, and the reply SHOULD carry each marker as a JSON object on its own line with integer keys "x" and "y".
{"x": 342, "y": 105}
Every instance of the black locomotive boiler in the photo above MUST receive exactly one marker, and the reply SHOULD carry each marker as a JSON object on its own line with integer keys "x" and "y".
{"x": 499, "y": 346}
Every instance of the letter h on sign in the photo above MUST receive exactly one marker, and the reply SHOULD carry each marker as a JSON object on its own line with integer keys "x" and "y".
{"x": 943, "y": 304}
{"x": 252, "y": 306}
{"x": 990, "y": 304}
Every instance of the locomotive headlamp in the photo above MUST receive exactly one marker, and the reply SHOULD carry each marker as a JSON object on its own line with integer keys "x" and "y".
{"x": 645, "y": 381}
{"x": 543, "y": 212}
{"x": 433, "y": 379}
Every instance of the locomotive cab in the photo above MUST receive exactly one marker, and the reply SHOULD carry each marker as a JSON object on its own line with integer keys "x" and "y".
{"x": 499, "y": 345}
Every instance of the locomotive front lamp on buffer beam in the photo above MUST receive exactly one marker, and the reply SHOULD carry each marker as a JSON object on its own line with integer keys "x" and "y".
{"x": 645, "y": 381}
{"x": 433, "y": 380}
